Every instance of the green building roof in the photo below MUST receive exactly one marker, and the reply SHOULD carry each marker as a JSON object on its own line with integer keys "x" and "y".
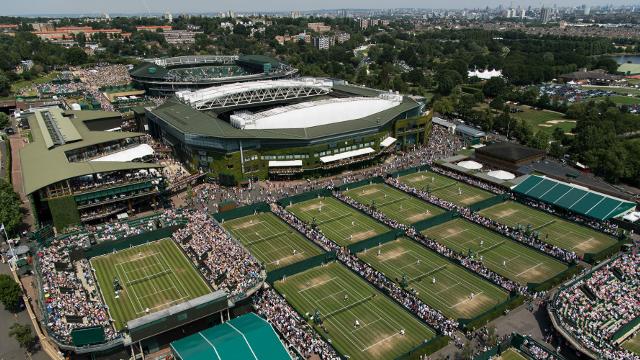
{"x": 574, "y": 198}
{"x": 43, "y": 165}
{"x": 246, "y": 337}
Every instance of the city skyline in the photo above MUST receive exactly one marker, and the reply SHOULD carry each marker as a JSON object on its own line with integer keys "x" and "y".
{"x": 67, "y": 7}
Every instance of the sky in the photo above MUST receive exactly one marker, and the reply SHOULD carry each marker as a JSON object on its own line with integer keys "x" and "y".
{"x": 37, "y": 7}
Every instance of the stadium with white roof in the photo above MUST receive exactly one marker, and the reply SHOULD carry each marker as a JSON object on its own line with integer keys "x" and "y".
{"x": 286, "y": 127}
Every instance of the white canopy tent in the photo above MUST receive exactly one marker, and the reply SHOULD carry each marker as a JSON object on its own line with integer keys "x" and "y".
{"x": 388, "y": 141}
{"x": 470, "y": 165}
{"x": 501, "y": 174}
{"x": 346, "y": 155}
{"x": 131, "y": 154}
{"x": 285, "y": 163}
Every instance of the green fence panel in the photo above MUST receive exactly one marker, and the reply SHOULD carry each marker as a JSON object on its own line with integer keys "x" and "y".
{"x": 569, "y": 272}
{"x": 300, "y": 266}
{"x": 489, "y": 202}
{"x": 242, "y": 211}
{"x": 357, "y": 184}
{"x": 593, "y": 258}
{"x": 410, "y": 171}
{"x": 88, "y": 336}
{"x": 436, "y": 220}
{"x": 375, "y": 241}
{"x": 426, "y": 348}
{"x": 625, "y": 329}
{"x": 493, "y": 313}
{"x": 109, "y": 246}
{"x": 304, "y": 197}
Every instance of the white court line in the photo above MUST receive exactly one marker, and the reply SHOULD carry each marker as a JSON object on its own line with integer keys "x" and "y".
{"x": 376, "y": 343}
{"x": 531, "y": 268}
{"x": 465, "y": 300}
{"x": 318, "y": 284}
{"x": 447, "y": 288}
{"x": 455, "y": 234}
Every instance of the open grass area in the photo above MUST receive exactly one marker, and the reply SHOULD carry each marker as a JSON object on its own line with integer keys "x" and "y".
{"x": 553, "y": 230}
{"x": 511, "y": 354}
{"x": 152, "y": 277}
{"x": 500, "y": 254}
{"x": 338, "y": 221}
{"x": 615, "y": 89}
{"x": 23, "y": 84}
{"x": 545, "y": 120}
{"x": 271, "y": 240}
{"x": 361, "y": 322}
{"x": 633, "y": 343}
{"x": 620, "y": 99}
{"x": 446, "y": 188}
{"x": 394, "y": 203}
{"x": 450, "y": 288}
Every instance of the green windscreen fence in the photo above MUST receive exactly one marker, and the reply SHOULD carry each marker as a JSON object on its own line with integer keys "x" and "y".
{"x": 242, "y": 211}
{"x": 410, "y": 171}
{"x": 375, "y": 241}
{"x": 304, "y": 197}
{"x": 357, "y": 184}
{"x": 626, "y": 329}
{"x": 88, "y": 336}
{"x": 436, "y": 220}
{"x": 489, "y": 202}
{"x": 300, "y": 266}
{"x": 115, "y": 245}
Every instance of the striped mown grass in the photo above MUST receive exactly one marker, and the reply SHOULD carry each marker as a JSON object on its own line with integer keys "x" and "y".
{"x": 153, "y": 276}
{"x": 553, "y": 229}
{"x": 271, "y": 240}
{"x": 439, "y": 282}
{"x": 446, "y": 188}
{"x": 511, "y": 354}
{"x": 500, "y": 254}
{"x": 361, "y": 322}
{"x": 633, "y": 343}
{"x": 339, "y": 222}
{"x": 394, "y": 203}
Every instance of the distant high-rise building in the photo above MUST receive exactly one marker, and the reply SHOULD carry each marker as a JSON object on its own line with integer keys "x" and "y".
{"x": 295, "y": 14}
{"x": 342, "y": 13}
{"x": 168, "y": 17}
{"x": 545, "y": 15}
{"x": 587, "y": 10}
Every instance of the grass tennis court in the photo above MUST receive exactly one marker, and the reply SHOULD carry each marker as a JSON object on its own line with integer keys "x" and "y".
{"x": 451, "y": 293}
{"x": 446, "y": 188}
{"x": 633, "y": 343}
{"x": 152, "y": 276}
{"x": 511, "y": 354}
{"x": 500, "y": 254}
{"x": 339, "y": 222}
{"x": 343, "y": 298}
{"x": 553, "y": 230}
{"x": 271, "y": 240}
{"x": 394, "y": 203}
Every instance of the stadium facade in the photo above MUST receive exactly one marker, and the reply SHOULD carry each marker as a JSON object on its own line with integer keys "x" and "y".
{"x": 74, "y": 173}
{"x": 287, "y": 127}
{"x": 168, "y": 75}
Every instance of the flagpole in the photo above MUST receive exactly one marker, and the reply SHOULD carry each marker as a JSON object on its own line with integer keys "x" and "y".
{"x": 6, "y": 237}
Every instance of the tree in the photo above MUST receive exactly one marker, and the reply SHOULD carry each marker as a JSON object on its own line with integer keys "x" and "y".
{"x": 4, "y": 120}
{"x": 494, "y": 87}
{"x": 5, "y": 84}
{"x": 10, "y": 293}
{"x": 81, "y": 40}
{"x": 23, "y": 335}
{"x": 10, "y": 213}
{"x": 76, "y": 56}
{"x": 447, "y": 80}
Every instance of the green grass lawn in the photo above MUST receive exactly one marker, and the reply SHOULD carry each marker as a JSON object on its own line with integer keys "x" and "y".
{"x": 446, "y": 188}
{"x": 500, "y": 254}
{"x": 394, "y": 203}
{"x": 153, "y": 277}
{"x": 271, "y": 240}
{"x": 23, "y": 84}
{"x": 553, "y": 230}
{"x": 620, "y": 100}
{"x": 632, "y": 343}
{"x": 342, "y": 298}
{"x": 511, "y": 354}
{"x": 453, "y": 286}
{"x": 615, "y": 89}
{"x": 544, "y": 120}
{"x": 338, "y": 221}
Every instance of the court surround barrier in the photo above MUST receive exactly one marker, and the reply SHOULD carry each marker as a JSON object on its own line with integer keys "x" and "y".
{"x": 410, "y": 171}
{"x": 357, "y": 184}
{"x": 426, "y": 348}
{"x": 88, "y": 336}
{"x": 375, "y": 241}
{"x": 434, "y": 221}
{"x": 559, "y": 278}
{"x": 516, "y": 341}
{"x": 486, "y": 203}
{"x": 303, "y": 197}
{"x": 493, "y": 313}
{"x": 300, "y": 266}
{"x": 626, "y": 330}
{"x": 242, "y": 211}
